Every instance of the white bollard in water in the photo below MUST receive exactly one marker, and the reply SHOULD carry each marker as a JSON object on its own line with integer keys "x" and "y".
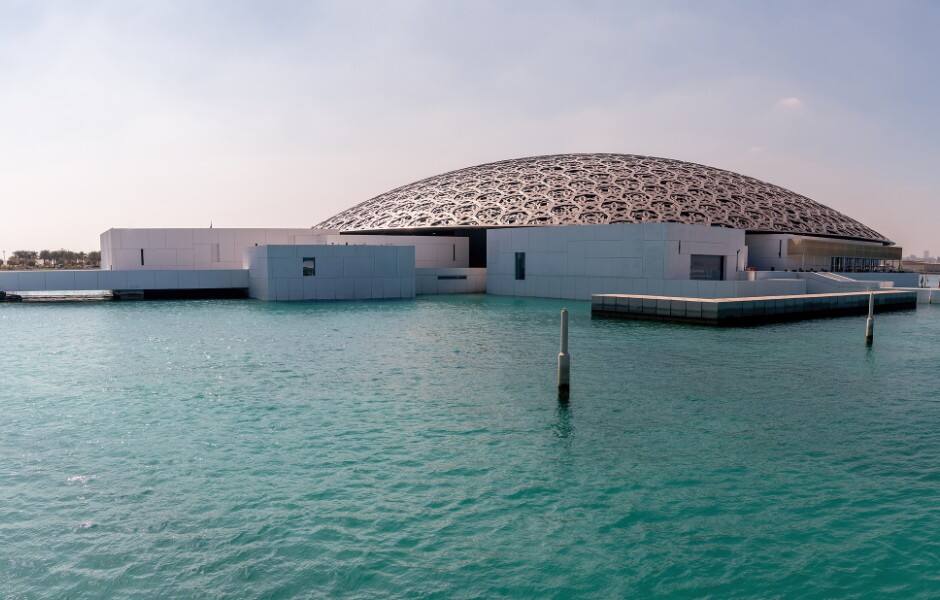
{"x": 564, "y": 359}
{"x": 870, "y": 324}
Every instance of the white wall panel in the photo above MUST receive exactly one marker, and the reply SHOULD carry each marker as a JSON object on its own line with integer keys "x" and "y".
{"x": 216, "y": 248}
{"x": 341, "y": 272}
{"x": 60, "y": 280}
{"x": 441, "y": 281}
{"x": 167, "y": 279}
{"x": 575, "y": 261}
{"x": 430, "y": 251}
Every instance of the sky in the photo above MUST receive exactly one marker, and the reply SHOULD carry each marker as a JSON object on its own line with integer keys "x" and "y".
{"x": 281, "y": 113}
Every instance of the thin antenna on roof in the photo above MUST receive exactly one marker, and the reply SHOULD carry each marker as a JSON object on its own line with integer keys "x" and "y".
{"x": 210, "y": 224}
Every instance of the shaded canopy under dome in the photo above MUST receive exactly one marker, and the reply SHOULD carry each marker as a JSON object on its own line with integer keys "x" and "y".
{"x": 578, "y": 189}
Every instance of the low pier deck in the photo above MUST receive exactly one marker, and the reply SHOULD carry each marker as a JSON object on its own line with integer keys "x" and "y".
{"x": 747, "y": 311}
{"x": 130, "y": 284}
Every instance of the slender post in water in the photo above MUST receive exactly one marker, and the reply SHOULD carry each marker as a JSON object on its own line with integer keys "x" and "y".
{"x": 564, "y": 359}
{"x": 870, "y": 324}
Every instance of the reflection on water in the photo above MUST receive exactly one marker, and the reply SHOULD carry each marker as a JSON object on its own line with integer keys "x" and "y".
{"x": 562, "y": 426}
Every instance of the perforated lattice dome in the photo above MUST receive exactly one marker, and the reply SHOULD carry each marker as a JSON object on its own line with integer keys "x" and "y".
{"x": 575, "y": 189}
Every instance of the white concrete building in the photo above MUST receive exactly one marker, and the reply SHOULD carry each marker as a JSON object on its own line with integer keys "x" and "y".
{"x": 189, "y": 248}
{"x": 565, "y": 226}
{"x": 441, "y": 262}
{"x": 576, "y": 261}
{"x": 330, "y": 272}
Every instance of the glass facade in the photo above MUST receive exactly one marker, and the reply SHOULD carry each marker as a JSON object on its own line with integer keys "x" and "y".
{"x": 853, "y": 264}
{"x": 843, "y": 256}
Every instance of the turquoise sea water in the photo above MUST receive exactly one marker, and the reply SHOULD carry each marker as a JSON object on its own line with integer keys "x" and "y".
{"x": 237, "y": 449}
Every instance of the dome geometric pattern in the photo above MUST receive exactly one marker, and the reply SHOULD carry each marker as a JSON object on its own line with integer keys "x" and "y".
{"x": 576, "y": 189}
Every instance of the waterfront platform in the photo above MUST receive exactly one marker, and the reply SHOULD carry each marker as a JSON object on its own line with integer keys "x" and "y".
{"x": 747, "y": 311}
{"x": 145, "y": 283}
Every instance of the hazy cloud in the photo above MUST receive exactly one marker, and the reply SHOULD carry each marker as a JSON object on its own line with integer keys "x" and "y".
{"x": 790, "y": 103}
{"x": 118, "y": 114}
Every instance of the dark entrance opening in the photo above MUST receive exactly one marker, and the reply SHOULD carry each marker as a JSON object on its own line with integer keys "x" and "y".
{"x": 707, "y": 267}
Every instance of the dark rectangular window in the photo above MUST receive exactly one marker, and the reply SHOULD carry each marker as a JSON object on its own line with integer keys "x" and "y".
{"x": 707, "y": 266}
{"x": 310, "y": 267}
{"x": 520, "y": 266}
{"x": 455, "y": 253}
{"x": 141, "y": 257}
{"x": 443, "y": 277}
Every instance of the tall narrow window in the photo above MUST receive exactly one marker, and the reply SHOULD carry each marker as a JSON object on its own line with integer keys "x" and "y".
{"x": 310, "y": 267}
{"x": 216, "y": 254}
{"x": 141, "y": 257}
{"x": 520, "y": 266}
{"x": 454, "y": 259}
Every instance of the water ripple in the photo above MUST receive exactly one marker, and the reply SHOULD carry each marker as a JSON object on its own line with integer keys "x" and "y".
{"x": 417, "y": 449}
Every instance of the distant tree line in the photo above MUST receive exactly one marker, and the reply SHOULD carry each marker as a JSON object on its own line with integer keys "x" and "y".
{"x": 52, "y": 259}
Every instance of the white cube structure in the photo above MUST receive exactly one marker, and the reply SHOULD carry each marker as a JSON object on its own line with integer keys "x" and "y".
{"x": 330, "y": 272}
